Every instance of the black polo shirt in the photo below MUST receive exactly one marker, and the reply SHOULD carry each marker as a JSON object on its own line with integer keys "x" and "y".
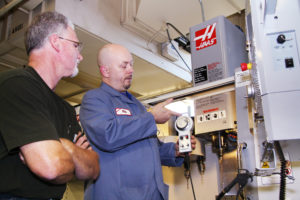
{"x": 29, "y": 112}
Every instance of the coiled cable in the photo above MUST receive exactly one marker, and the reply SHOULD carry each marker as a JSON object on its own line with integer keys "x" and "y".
{"x": 282, "y": 171}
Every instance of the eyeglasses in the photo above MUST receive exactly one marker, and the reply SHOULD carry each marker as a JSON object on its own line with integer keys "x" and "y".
{"x": 77, "y": 45}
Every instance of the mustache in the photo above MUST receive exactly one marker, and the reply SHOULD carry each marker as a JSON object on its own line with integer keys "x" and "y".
{"x": 129, "y": 77}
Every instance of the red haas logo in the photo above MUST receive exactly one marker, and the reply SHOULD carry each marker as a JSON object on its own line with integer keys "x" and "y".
{"x": 206, "y": 37}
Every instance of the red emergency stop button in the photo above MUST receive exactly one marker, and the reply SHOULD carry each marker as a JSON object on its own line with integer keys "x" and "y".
{"x": 246, "y": 66}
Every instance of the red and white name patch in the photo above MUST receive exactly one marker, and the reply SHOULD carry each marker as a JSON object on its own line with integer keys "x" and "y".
{"x": 122, "y": 111}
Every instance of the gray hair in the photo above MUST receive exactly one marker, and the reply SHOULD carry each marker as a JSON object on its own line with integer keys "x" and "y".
{"x": 42, "y": 26}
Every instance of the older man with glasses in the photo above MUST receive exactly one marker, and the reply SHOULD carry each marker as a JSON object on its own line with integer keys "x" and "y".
{"x": 41, "y": 146}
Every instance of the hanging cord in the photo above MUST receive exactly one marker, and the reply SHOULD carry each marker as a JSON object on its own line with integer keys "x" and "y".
{"x": 282, "y": 171}
{"x": 170, "y": 40}
{"x": 188, "y": 168}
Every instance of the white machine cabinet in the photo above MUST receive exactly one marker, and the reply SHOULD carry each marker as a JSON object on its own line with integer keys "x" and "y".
{"x": 276, "y": 34}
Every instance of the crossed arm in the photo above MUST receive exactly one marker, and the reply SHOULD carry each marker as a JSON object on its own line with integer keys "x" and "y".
{"x": 60, "y": 161}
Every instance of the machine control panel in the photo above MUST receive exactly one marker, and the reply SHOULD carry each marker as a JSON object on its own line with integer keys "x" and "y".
{"x": 183, "y": 125}
{"x": 284, "y": 50}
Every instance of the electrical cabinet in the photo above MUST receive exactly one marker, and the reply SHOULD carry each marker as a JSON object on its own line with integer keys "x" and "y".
{"x": 217, "y": 48}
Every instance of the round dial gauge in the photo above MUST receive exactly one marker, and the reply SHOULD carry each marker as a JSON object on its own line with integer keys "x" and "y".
{"x": 182, "y": 122}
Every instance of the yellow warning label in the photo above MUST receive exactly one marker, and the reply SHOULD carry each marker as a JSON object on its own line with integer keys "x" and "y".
{"x": 265, "y": 165}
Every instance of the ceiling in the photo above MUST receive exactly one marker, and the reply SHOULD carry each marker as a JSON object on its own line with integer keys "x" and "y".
{"x": 149, "y": 80}
{"x": 184, "y": 14}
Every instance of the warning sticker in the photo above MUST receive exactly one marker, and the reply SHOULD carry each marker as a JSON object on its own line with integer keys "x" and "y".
{"x": 200, "y": 74}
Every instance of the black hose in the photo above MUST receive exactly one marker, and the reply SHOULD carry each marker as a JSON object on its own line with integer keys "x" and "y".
{"x": 282, "y": 171}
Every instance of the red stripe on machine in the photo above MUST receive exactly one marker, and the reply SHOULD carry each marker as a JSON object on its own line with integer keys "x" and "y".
{"x": 210, "y": 110}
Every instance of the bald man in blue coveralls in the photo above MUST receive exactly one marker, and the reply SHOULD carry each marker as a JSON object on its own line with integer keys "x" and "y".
{"x": 123, "y": 133}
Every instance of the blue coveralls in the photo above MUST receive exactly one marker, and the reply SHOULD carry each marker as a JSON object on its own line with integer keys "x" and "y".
{"x": 122, "y": 132}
